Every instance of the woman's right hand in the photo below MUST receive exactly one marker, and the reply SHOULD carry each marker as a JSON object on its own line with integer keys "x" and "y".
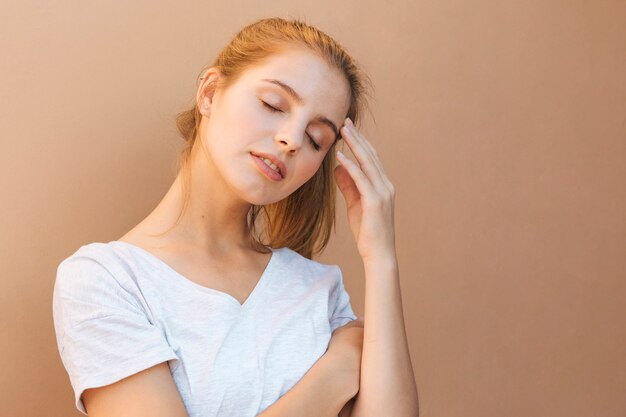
{"x": 345, "y": 349}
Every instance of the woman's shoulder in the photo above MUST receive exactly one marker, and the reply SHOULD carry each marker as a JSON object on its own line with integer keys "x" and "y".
{"x": 93, "y": 263}
{"x": 299, "y": 263}
{"x": 89, "y": 253}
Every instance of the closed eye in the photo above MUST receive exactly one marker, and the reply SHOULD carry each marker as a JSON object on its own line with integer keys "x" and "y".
{"x": 270, "y": 107}
{"x": 274, "y": 109}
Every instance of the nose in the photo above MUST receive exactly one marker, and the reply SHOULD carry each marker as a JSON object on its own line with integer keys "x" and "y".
{"x": 290, "y": 138}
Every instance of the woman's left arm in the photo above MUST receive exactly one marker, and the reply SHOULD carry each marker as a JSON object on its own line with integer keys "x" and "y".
{"x": 387, "y": 386}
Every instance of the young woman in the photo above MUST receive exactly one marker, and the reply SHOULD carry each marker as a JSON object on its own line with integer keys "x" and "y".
{"x": 201, "y": 311}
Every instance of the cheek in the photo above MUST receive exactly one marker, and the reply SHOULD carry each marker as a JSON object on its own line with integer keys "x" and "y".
{"x": 309, "y": 168}
{"x": 236, "y": 129}
{"x": 240, "y": 115}
{"x": 249, "y": 113}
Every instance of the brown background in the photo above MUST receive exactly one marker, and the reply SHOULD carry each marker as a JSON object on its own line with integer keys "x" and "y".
{"x": 501, "y": 123}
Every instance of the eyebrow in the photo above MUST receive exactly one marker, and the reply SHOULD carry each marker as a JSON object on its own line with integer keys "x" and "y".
{"x": 300, "y": 100}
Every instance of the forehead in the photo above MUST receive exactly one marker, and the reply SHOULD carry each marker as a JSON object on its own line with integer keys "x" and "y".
{"x": 321, "y": 85}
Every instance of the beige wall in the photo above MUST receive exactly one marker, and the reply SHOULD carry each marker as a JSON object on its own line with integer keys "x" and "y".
{"x": 501, "y": 123}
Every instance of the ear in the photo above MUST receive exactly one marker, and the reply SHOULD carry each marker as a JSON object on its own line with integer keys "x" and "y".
{"x": 206, "y": 90}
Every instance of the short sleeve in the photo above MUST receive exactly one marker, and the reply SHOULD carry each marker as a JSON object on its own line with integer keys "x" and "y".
{"x": 103, "y": 334}
{"x": 342, "y": 311}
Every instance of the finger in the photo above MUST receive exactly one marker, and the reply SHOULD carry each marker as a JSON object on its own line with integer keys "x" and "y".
{"x": 360, "y": 138}
{"x": 372, "y": 151}
{"x": 346, "y": 185}
{"x": 357, "y": 142}
{"x": 361, "y": 180}
{"x": 361, "y": 153}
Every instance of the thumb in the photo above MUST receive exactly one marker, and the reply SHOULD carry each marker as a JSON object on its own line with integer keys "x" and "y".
{"x": 346, "y": 184}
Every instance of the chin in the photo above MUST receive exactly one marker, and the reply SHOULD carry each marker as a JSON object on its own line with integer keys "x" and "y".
{"x": 259, "y": 195}
{"x": 263, "y": 200}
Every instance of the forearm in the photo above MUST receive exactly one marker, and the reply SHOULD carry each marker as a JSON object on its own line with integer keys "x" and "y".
{"x": 387, "y": 385}
{"x": 322, "y": 392}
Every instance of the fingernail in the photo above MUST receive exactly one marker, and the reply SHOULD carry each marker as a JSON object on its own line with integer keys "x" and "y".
{"x": 340, "y": 155}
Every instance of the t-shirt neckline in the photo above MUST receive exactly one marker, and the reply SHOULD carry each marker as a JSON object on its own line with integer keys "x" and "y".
{"x": 186, "y": 281}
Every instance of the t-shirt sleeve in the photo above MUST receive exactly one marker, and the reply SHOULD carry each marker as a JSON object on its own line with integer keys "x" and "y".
{"x": 342, "y": 310}
{"x": 103, "y": 334}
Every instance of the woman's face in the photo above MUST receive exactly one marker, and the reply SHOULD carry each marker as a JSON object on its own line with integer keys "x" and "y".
{"x": 241, "y": 125}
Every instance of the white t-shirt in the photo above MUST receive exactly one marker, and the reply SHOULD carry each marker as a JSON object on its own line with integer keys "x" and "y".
{"x": 118, "y": 310}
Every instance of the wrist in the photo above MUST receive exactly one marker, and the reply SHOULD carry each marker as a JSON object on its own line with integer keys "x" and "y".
{"x": 384, "y": 262}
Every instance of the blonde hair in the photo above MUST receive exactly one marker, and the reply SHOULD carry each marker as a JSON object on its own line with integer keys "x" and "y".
{"x": 304, "y": 220}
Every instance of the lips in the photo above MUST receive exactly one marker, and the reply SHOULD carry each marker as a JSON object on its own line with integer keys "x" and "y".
{"x": 281, "y": 166}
